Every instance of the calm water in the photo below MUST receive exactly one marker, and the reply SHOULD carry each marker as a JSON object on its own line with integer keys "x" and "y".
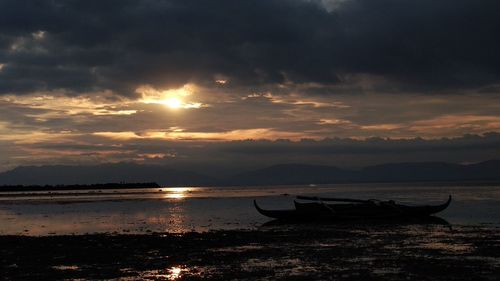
{"x": 181, "y": 209}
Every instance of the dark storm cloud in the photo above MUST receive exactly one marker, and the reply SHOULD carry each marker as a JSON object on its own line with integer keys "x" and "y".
{"x": 119, "y": 45}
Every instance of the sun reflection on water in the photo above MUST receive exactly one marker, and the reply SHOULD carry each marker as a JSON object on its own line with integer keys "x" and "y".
{"x": 174, "y": 273}
{"x": 177, "y": 192}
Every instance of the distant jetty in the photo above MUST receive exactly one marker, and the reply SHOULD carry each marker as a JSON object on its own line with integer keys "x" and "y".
{"x": 121, "y": 185}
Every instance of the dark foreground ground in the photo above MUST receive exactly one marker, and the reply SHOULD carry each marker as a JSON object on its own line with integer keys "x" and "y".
{"x": 303, "y": 252}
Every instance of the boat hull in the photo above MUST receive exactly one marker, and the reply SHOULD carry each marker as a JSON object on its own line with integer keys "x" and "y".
{"x": 369, "y": 210}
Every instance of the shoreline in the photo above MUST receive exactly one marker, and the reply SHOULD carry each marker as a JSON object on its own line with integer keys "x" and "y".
{"x": 125, "y": 186}
{"x": 66, "y": 187}
{"x": 298, "y": 252}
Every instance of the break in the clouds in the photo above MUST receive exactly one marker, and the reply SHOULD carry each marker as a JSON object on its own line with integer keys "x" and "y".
{"x": 98, "y": 81}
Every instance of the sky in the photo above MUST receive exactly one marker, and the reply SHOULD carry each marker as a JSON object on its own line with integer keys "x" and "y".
{"x": 230, "y": 84}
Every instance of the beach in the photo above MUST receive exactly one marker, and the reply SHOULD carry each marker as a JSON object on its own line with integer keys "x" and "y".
{"x": 283, "y": 252}
{"x": 215, "y": 233}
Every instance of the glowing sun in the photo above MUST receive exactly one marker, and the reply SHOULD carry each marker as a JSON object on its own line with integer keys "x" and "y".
{"x": 173, "y": 103}
{"x": 173, "y": 98}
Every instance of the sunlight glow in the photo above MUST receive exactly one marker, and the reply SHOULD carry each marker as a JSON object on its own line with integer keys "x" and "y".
{"x": 172, "y": 98}
{"x": 174, "y": 273}
{"x": 176, "y": 192}
{"x": 173, "y": 103}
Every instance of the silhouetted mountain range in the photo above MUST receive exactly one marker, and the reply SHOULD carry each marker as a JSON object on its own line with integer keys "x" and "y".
{"x": 277, "y": 174}
{"x": 392, "y": 172}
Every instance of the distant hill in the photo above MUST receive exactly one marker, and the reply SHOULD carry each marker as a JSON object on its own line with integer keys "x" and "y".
{"x": 392, "y": 172}
{"x": 426, "y": 171}
{"x": 432, "y": 171}
{"x": 274, "y": 175}
{"x": 294, "y": 174}
{"x": 122, "y": 172}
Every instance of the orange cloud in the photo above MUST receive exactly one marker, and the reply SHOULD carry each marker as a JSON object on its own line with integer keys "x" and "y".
{"x": 456, "y": 124}
{"x": 259, "y": 133}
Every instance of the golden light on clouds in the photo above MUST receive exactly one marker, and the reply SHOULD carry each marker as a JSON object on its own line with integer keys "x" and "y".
{"x": 56, "y": 105}
{"x": 294, "y": 99}
{"x": 172, "y": 98}
{"x": 382, "y": 127}
{"x": 324, "y": 121}
{"x": 450, "y": 123}
{"x": 259, "y": 133}
{"x": 31, "y": 137}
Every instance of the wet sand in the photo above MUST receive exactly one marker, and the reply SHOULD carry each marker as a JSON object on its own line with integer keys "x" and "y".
{"x": 276, "y": 252}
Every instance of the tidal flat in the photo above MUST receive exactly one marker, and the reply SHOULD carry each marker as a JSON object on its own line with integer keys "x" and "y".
{"x": 271, "y": 252}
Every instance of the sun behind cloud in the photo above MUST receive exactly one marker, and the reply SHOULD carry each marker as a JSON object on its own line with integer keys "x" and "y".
{"x": 172, "y": 98}
{"x": 173, "y": 103}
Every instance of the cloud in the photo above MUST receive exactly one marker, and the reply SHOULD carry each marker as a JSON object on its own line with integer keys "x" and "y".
{"x": 120, "y": 45}
{"x": 122, "y": 80}
{"x": 231, "y": 155}
{"x": 222, "y": 115}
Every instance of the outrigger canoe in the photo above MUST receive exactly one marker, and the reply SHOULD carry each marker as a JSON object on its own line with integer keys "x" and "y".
{"x": 350, "y": 209}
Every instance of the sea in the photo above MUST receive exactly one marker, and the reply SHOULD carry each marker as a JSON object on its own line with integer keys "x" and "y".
{"x": 184, "y": 209}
